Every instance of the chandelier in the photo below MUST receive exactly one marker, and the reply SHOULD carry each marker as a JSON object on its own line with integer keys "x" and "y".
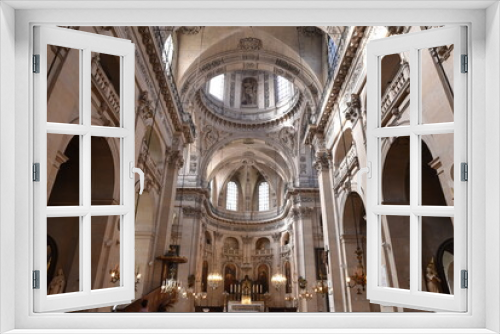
{"x": 322, "y": 287}
{"x": 359, "y": 277}
{"x": 278, "y": 280}
{"x": 214, "y": 279}
{"x": 306, "y": 295}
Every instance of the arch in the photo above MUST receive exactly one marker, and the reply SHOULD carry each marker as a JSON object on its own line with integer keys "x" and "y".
{"x": 285, "y": 239}
{"x": 204, "y": 276}
{"x": 230, "y": 275}
{"x": 208, "y": 238}
{"x": 263, "y": 276}
{"x": 231, "y": 243}
{"x": 263, "y": 243}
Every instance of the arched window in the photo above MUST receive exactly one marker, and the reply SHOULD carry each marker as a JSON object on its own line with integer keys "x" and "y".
{"x": 232, "y": 196}
{"x": 263, "y": 196}
{"x": 168, "y": 51}
{"x": 283, "y": 88}
{"x": 216, "y": 87}
{"x": 332, "y": 55}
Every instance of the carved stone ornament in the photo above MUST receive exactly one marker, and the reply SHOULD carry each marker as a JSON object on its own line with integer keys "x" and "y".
{"x": 250, "y": 44}
{"x": 310, "y": 31}
{"x": 323, "y": 161}
{"x": 190, "y": 30}
{"x": 352, "y": 111}
{"x": 210, "y": 137}
{"x": 287, "y": 137}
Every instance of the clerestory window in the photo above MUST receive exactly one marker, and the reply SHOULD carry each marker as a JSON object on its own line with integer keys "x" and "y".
{"x": 232, "y": 196}
{"x": 263, "y": 196}
{"x": 216, "y": 87}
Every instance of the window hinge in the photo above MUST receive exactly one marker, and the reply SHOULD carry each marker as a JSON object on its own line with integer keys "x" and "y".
{"x": 36, "y": 63}
{"x": 36, "y": 172}
{"x": 465, "y": 64}
{"x": 36, "y": 279}
{"x": 464, "y": 171}
{"x": 465, "y": 279}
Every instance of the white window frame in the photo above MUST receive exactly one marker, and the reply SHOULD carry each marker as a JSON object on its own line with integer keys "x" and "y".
{"x": 85, "y": 43}
{"x": 15, "y": 38}
{"x": 416, "y": 44}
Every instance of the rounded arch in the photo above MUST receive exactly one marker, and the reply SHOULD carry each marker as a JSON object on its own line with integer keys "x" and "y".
{"x": 231, "y": 242}
{"x": 263, "y": 243}
{"x": 230, "y": 276}
{"x": 262, "y": 275}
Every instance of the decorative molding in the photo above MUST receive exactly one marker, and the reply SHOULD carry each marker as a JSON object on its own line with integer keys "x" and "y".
{"x": 323, "y": 161}
{"x": 250, "y": 44}
{"x": 310, "y": 31}
{"x": 190, "y": 30}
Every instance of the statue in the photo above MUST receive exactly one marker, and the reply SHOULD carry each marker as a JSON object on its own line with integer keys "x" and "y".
{"x": 433, "y": 281}
{"x": 57, "y": 284}
{"x": 249, "y": 92}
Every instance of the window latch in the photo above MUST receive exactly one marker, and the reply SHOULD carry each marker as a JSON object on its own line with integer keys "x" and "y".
{"x": 134, "y": 170}
{"x": 368, "y": 171}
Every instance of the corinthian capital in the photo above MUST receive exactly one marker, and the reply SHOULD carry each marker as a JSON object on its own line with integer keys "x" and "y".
{"x": 323, "y": 161}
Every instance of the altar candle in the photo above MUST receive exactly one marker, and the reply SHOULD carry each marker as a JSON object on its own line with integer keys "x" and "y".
{"x": 260, "y": 285}
{"x": 231, "y": 288}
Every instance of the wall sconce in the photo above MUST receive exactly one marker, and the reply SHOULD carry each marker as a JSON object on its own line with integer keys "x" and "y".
{"x": 115, "y": 274}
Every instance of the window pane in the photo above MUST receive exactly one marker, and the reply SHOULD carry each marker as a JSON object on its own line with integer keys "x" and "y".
{"x": 437, "y": 84}
{"x": 105, "y": 89}
{"x": 232, "y": 196}
{"x": 395, "y": 171}
{"x": 105, "y": 171}
{"x": 437, "y": 170}
{"x": 168, "y": 50}
{"x": 395, "y": 252}
{"x": 283, "y": 89}
{"x": 437, "y": 254}
{"x": 264, "y": 196}
{"x": 63, "y": 85}
{"x": 63, "y": 170}
{"x": 63, "y": 255}
{"x": 216, "y": 87}
{"x": 395, "y": 90}
{"x": 105, "y": 251}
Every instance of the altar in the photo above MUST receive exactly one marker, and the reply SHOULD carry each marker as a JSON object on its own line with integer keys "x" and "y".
{"x": 238, "y": 306}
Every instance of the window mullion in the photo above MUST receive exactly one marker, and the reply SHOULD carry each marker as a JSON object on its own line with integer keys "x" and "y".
{"x": 415, "y": 176}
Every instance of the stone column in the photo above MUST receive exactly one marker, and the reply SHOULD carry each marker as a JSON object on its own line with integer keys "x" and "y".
{"x": 279, "y": 294}
{"x": 305, "y": 253}
{"x": 173, "y": 163}
{"x": 335, "y": 275}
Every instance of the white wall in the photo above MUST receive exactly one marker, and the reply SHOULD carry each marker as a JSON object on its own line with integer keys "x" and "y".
{"x": 7, "y": 157}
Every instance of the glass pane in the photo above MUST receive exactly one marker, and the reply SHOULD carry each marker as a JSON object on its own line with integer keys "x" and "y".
{"x": 105, "y": 89}
{"x": 63, "y": 85}
{"x": 437, "y": 169}
{"x": 63, "y": 255}
{"x": 105, "y": 251}
{"x": 437, "y": 254}
{"x": 437, "y": 84}
{"x": 395, "y": 89}
{"x": 395, "y": 252}
{"x": 395, "y": 170}
{"x": 105, "y": 171}
{"x": 63, "y": 170}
